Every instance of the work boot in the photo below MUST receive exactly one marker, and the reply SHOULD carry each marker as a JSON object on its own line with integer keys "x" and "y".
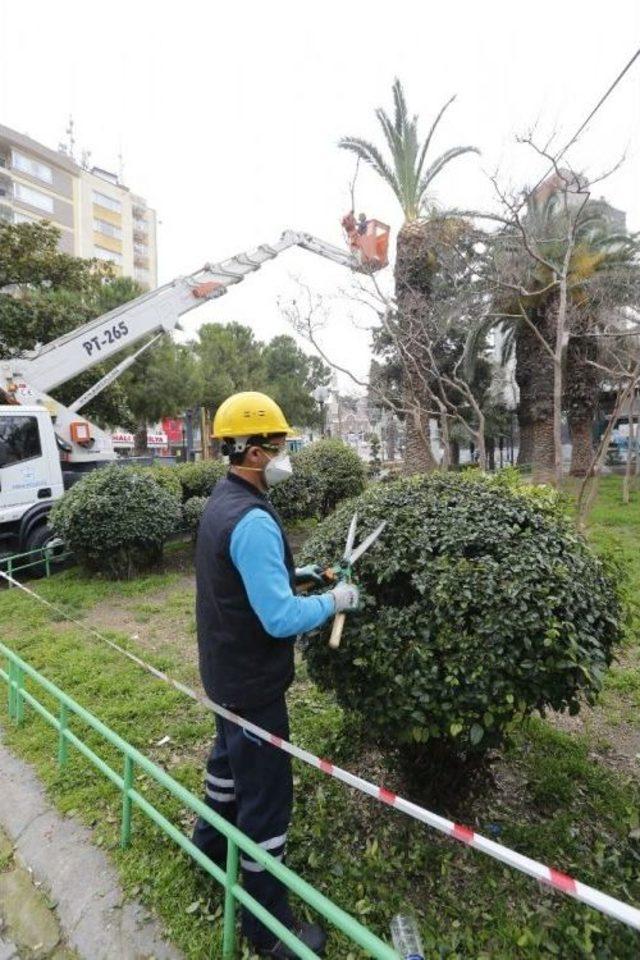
{"x": 312, "y": 935}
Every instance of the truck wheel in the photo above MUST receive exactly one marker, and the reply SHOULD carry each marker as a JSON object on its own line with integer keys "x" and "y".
{"x": 42, "y": 536}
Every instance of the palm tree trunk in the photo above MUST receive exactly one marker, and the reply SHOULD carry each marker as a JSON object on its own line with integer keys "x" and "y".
{"x": 581, "y": 394}
{"x": 413, "y": 293}
{"x": 418, "y": 456}
{"x": 544, "y": 451}
{"x": 525, "y": 430}
{"x": 581, "y": 445}
{"x": 534, "y": 376}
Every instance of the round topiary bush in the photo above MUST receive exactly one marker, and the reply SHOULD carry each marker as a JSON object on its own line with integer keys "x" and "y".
{"x": 198, "y": 479}
{"x": 480, "y": 602}
{"x": 192, "y": 511}
{"x": 116, "y": 520}
{"x": 167, "y": 477}
{"x": 342, "y": 472}
{"x": 324, "y": 473}
{"x": 300, "y": 497}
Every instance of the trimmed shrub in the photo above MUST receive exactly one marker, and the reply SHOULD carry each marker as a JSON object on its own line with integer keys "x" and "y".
{"x": 192, "y": 512}
{"x": 167, "y": 477}
{"x": 323, "y": 474}
{"x": 198, "y": 479}
{"x": 116, "y": 520}
{"x": 480, "y": 603}
{"x": 299, "y": 498}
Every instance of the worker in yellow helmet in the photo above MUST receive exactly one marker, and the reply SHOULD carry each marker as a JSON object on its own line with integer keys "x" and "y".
{"x": 248, "y": 617}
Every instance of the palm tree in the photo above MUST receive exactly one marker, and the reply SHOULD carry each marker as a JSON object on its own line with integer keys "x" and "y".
{"x": 601, "y": 267}
{"x": 410, "y": 177}
{"x": 606, "y": 270}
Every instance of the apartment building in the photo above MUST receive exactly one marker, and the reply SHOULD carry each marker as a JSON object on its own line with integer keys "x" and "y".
{"x": 97, "y": 215}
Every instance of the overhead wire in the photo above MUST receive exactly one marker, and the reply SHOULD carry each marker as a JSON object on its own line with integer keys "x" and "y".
{"x": 605, "y": 96}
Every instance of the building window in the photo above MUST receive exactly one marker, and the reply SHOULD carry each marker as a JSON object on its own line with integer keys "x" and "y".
{"x": 103, "y": 254}
{"x": 140, "y": 225}
{"x": 141, "y": 249}
{"x": 33, "y": 197}
{"x": 33, "y": 167}
{"x": 23, "y": 218}
{"x": 101, "y": 226}
{"x": 6, "y": 214}
{"x": 19, "y": 440}
{"x": 109, "y": 202}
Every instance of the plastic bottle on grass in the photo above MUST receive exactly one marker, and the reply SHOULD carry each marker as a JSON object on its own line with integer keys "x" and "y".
{"x": 406, "y": 937}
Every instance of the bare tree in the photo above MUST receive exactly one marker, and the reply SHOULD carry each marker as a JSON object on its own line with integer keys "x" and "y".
{"x": 433, "y": 387}
{"x": 557, "y": 269}
{"x": 626, "y": 377}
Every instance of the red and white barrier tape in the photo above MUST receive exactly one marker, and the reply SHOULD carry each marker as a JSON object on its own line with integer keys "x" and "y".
{"x": 546, "y": 875}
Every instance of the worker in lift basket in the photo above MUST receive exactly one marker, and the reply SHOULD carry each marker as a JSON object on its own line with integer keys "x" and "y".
{"x": 248, "y": 616}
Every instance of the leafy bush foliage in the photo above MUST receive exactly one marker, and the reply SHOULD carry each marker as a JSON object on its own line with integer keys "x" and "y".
{"x": 299, "y": 498}
{"x": 324, "y": 473}
{"x": 480, "y": 603}
{"x": 198, "y": 479}
{"x": 192, "y": 512}
{"x": 167, "y": 477}
{"x": 116, "y": 520}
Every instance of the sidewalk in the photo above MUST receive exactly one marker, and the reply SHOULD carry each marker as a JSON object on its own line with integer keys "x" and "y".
{"x": 60, "y": 898}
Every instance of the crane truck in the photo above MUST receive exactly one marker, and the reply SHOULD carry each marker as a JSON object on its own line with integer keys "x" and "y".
{"x": 45, "y": 446}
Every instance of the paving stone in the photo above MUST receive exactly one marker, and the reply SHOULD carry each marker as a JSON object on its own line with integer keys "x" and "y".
{"x": 24, "y": 910}
{"x": 74, "y": 874}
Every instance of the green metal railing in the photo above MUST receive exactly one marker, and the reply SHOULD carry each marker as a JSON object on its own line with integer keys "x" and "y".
{"x": 132, "y": 761}
{"x": 47, "y": 558}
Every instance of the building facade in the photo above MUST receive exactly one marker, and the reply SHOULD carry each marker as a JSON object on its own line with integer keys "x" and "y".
{"x": 96, "y": 214}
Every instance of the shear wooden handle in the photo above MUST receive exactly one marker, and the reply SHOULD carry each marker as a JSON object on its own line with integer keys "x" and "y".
{"x": 336, "y": 630}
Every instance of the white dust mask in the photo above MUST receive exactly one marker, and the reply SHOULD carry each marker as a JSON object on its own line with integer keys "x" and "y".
{"x": 278, "y": 470}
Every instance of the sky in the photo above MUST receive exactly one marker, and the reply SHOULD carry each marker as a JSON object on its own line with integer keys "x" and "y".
{"x": 227, "y": 118}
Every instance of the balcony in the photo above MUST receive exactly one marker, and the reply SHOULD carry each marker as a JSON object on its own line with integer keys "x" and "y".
{"x": 6, "y": 187}
{"x": 4, "y": 161}
{"x": 141, "y": 261}
{"x": 140, "y": 233}
{"x": 139, "y": 211}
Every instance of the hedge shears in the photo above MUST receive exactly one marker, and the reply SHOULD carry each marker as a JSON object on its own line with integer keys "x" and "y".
{"x": 343, "y": 570}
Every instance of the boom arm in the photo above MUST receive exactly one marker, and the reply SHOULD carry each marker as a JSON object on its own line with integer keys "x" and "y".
{"x": 157, "y": 311}
{"x": 28, "y": 380}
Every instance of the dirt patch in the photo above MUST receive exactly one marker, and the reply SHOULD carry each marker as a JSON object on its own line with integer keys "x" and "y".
{"x": 161, "y": 621}
{"x": 616, "y": 745}
{"x": 611, "y": 726}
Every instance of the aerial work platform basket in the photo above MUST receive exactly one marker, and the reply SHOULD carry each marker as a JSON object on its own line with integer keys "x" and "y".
{"x": 368, "y": 241}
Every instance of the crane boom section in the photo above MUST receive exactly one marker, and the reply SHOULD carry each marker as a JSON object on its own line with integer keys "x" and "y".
{"x": 159, "y": 310}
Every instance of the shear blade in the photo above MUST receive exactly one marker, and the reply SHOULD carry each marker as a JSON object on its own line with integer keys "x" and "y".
{"x": 366, "y": 543}
{"x": 351, "y": 536}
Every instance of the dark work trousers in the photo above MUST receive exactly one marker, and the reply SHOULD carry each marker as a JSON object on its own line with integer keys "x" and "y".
{"x": 249, "y": 783}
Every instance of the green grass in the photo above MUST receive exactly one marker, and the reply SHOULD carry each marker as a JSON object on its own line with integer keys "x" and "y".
{"x": 551, "y": 798}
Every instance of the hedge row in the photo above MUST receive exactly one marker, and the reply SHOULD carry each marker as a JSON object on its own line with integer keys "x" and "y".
{"x": 117, "y": 519}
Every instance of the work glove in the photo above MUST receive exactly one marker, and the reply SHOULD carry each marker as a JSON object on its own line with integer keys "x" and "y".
{"x": 346, "y": 597}
{"x": 312, "y": 571}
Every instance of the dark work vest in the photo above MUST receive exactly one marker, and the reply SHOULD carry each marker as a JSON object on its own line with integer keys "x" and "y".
{"x": 241, "y": 665}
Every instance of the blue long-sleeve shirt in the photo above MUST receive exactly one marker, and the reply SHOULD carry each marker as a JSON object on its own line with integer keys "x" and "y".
{"x": 257, "y": 552}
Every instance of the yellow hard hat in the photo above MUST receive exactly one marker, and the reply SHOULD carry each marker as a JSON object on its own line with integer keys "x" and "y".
{"x": 248, "y": 414}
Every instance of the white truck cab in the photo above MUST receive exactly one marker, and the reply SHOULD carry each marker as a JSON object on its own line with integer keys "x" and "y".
{"x": 30, "y": 474}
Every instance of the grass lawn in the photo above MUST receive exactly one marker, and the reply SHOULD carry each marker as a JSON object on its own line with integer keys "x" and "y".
{"x": 566, "y": 791}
